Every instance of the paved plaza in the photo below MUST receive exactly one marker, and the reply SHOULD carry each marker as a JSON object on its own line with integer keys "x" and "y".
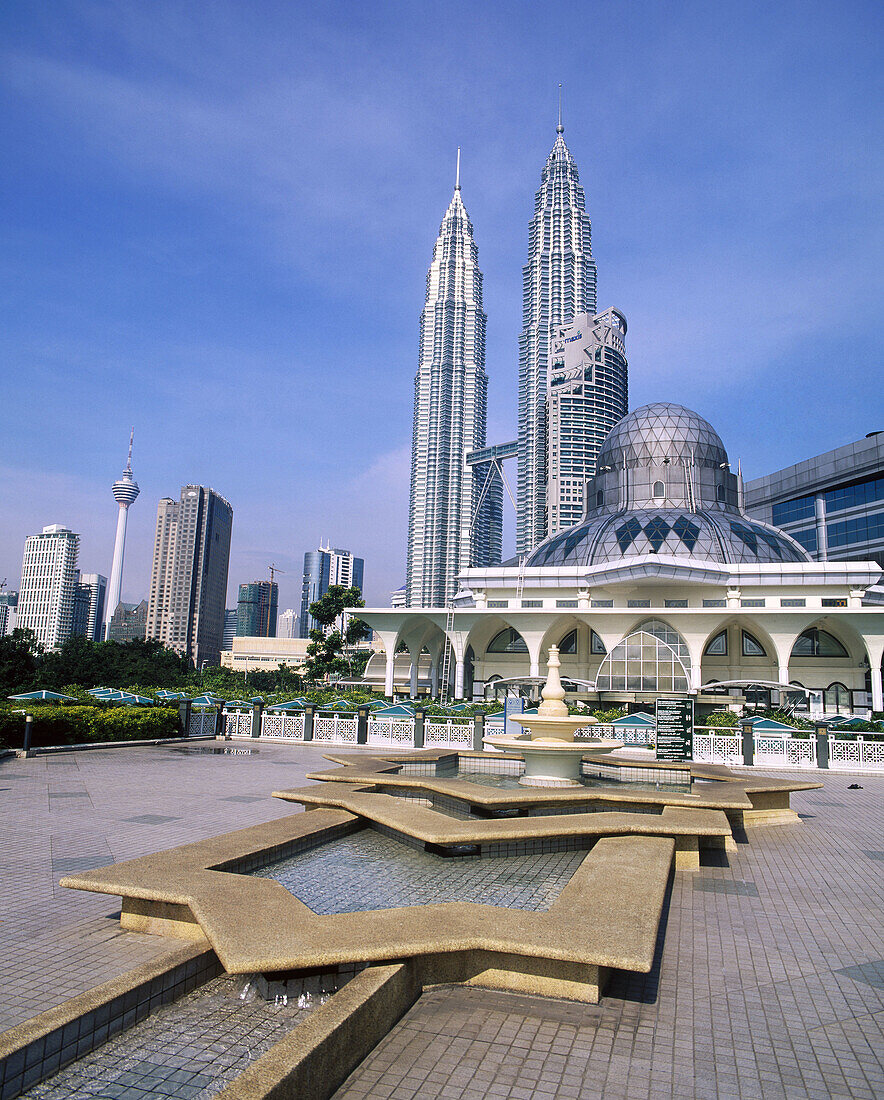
{"x": 769, "y": 981}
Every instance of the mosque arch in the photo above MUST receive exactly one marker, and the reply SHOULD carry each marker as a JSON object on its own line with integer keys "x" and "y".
{"x": 836, "y": 698}
{"x": 643, "y": 661}
{"x": 816, "y": 642}
{"x": 508, "y": 640}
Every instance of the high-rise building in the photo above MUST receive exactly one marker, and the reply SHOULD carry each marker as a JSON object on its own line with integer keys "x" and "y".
{"x": 125, "y": 491}
{"x": 558, "y": 284}
{"x": 451, "y": 526}
{"x": 8, "y": 612}
{"x": 48, "y": 580}
{"x": 229, "y": 629}
{"x": 256, "y": 610}
{"x": 288, "y": 624}
{"x": 188, "y": 581}
{"x": 587, "y": 396}
{"x": 88, "y": 617}
{"x": 833, "y": 504}
{"x": 127, "y": 623}
{"x": 323, "y": 568}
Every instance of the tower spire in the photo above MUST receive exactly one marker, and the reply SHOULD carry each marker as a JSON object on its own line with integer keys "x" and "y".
{"x": 457, "y": 176}
{"x": 129, "y": 459}
{"x": 560, "y": 129}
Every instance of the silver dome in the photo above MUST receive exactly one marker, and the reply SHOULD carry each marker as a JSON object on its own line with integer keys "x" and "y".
{"x": 664, "y": 486}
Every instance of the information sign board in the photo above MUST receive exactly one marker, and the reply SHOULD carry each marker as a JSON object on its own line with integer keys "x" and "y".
{"x": 675, "y": 729}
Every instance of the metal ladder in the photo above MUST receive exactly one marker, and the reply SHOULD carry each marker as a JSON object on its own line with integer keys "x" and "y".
{"x": 446, "y": 656}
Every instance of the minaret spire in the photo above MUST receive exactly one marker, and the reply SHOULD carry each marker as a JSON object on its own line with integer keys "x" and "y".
{"x": 457, "y": 176}
{"x": 560, "y": 129}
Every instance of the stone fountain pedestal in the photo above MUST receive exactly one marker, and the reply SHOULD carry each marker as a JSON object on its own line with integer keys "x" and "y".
{"x": 552, "y": 757}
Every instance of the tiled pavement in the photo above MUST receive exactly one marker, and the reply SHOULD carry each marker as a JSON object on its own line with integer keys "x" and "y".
{"x": 75, "y": 811}
{"x": 770, "y": 982}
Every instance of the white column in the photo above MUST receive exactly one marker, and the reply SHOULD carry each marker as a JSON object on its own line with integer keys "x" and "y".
{"x": 388, "y": 677}
{"x": 434, "y": 678}
{"x": 415, "y": 661}
{"x": 458, "y": 678}
{"x": 875, "y": 650}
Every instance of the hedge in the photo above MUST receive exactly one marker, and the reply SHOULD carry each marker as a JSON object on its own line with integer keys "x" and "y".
{"x": 73, "y": 725}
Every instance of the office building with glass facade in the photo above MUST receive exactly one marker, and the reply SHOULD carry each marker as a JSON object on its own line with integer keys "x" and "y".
{"x": 48, "y": 582}
{"x": 832, "y": 504}
{"x": 88, "y": 618}
{"x": 256, "y": 610}
{"x": 323, "y": 568}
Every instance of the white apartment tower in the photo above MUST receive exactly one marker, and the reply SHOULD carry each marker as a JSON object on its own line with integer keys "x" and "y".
{"x": 450, "y": 525}
{"x": 587, "y": 396}
{"x": 188, "y": 580}
{"x": 558, "y": 283}
{"x": 48, "y": 580}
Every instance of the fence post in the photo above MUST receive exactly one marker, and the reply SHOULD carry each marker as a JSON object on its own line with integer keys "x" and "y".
{"x": 478, "y": 732}
{"x": 309, "y": 715}
{"x": 822, "y": 747}
{"x": 748, "y": 736}
{"x": 362, "y": 713}
{"x": 26, "y": 743}
{"x": 184, "y": 710}
{"x": 257, "y": 711}
{"x": 420, "y": 717}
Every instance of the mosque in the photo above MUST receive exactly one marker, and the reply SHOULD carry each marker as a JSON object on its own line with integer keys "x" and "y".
{"x": 665, "y": 587}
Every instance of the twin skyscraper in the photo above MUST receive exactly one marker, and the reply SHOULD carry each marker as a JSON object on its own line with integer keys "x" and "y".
{"x": 572, "y": 390}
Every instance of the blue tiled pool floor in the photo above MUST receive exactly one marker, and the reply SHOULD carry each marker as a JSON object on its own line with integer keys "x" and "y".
{"x": 369, "y": 870}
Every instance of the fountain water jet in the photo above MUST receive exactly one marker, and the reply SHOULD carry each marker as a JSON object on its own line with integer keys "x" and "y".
{"x": 552, "y": 757}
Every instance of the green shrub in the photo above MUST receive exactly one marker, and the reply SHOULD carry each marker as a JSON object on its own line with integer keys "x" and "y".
{"x": 75, "y": 725}
{"x": 722, "y": 718}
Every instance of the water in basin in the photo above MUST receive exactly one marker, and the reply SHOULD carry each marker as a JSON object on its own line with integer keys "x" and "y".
{"x": 369, "y": 870}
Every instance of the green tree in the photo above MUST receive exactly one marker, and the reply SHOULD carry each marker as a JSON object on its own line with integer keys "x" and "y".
{"x": 331, "y": 653}
{"x": 19, "y": 656}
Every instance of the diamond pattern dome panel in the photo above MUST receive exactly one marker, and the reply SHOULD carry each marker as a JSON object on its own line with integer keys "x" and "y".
{"x": 662, "y": 433}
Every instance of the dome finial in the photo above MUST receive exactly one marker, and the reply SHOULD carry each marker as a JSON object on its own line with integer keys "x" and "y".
{"x": 560, "y": 129}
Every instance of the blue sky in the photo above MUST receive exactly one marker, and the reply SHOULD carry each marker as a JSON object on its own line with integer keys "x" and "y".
{"x": 217, "y": 220}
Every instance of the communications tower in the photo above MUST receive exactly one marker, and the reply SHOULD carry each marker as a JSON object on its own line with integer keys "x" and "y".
{"x": 125, "y": 491}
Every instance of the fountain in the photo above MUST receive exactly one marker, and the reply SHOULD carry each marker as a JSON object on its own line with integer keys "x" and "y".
{"x": 552, "y": 757}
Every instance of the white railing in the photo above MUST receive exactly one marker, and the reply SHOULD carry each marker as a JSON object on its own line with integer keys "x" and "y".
{"x": 236, "y": 723}
{"x": 390, "y": 731}
{"x": 448, "y": 734}
{"x": 336, "y": 728}
{"x": 283, "y": 727}
{"x": 711, "y": 748}
{"x": 850, "y": 755}
{"x": 782, "y": 750}
{"x": 201, "y": 724}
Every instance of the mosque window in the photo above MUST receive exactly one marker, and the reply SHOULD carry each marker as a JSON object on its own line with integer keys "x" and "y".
{"x": 659, "y": 489}
{"x": 644, "y": 662}
{"x": 751, "y": 646}
{"x": 717, "y": 647}
{"x": 599, "y": 499}
{"x": 507, "y": 641}
{"x": 818, "y": 643}
{"x": 596, "y": 645}
{"x": 837, "y": 697}
{"x": 719, "y": 492}
{"x": 568, "y": 644}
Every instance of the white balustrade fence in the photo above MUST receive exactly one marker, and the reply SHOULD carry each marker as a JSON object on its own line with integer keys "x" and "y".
{"x": 201, "y": 724}
{"x": 772, "y": 750}
{"x": 850, "y": 755}
{"x": 711, "y": 748}
{"x": 342, "y": 730}
{"x": 236, "y": 723}
{"x": 283, "y": 727}
{"x": 448, "y": 734}
{"x": 391, "y": 731}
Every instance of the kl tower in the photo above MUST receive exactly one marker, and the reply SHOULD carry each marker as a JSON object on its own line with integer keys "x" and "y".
{"x": 125, "y": 491}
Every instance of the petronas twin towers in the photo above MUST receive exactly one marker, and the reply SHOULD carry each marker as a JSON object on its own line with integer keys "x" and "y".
{"x": 455, "y": 513}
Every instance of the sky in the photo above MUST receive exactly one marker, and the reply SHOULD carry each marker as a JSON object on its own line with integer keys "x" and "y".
{"x": 217, "y": 221}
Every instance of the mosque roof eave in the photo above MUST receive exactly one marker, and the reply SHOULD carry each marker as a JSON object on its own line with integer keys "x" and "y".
{"x": 665, "y": 568}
